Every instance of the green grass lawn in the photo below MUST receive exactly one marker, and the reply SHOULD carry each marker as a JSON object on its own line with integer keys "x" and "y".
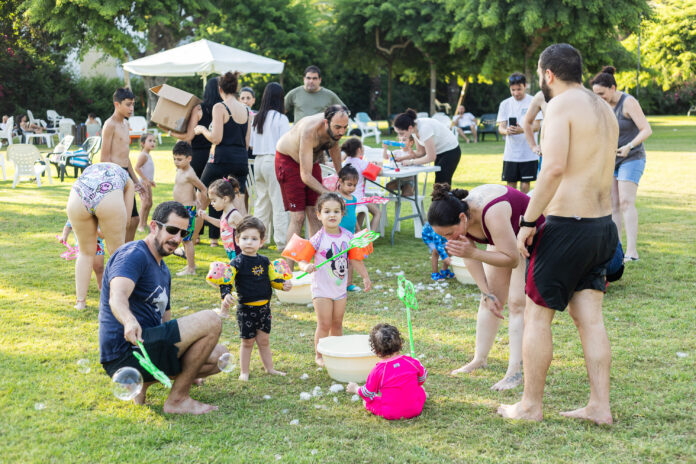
{"x": 650, "y": 316}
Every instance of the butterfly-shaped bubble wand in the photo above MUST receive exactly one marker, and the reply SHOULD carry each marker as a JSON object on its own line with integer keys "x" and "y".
{"x": 149, "y": 366}
{"x": 407, "y": 294}
{"x": 361, "y": 241}
{"x": 375, "y": 200}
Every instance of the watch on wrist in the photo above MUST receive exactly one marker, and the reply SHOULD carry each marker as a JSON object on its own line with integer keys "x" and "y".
{"x": 524, "y": 223}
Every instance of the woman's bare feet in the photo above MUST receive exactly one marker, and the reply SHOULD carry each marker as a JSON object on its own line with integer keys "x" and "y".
{"x": 472, "y": 366}
{"x": 274, "y": 372}
{"x": 319, "y": 360}
{"x": 213, "y": 242}
{"x": 508, "y": 382}
{"x": 519, "y": 411}
{"x": 187, "y": 406}
{"x": 590, "y": 414}
{"x": 244, "y": 376}
{"x": 186, "y": 271}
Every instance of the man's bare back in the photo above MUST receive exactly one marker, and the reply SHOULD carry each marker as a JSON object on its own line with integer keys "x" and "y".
{"x": 586, "y": 127}
{"x": 307, "y": 130}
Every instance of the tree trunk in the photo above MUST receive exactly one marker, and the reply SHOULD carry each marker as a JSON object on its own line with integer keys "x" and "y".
{"x": 389, "y": 90}
{"x": 433, "y": 85}
{"x": 453, "y": 91}
{"x": 375, "y": 91}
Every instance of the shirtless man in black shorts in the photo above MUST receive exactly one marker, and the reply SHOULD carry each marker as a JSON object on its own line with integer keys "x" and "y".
{"x": 568, "y": 255}
{"x": 116, "y": 147}
{"x": 298, "y": 154}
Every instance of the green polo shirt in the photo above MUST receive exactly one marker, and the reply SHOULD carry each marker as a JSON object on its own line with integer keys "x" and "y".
{"x": 303, "y": 103}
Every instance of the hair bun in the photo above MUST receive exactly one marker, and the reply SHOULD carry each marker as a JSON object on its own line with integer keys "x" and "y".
{"x": 609, "y": 70}
{"x": 460, "y": 193}
{"x": 412, "y": 113}
{"x": 440, "y": 191}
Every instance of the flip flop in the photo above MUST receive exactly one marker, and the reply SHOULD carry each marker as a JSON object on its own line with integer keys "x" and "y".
{"x": 180, "y": 252}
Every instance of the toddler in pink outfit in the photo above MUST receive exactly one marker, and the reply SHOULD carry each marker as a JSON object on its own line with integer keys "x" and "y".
{"x": 394, "y": 388}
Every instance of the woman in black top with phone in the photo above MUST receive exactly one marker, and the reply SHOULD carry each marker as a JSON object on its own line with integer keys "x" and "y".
{"x": 229, "y": 136}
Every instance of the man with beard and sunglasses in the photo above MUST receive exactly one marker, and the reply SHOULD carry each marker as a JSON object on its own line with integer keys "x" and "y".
{"x": 298, "y": 154}
{"x": 568, "y": 255}
{"x": 135, "y": 306}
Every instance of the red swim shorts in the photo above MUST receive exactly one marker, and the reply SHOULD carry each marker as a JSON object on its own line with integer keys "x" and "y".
{"x": 296, "y": 195}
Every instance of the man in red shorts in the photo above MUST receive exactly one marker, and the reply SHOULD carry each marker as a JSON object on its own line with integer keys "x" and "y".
{"x": 298, "y": 153}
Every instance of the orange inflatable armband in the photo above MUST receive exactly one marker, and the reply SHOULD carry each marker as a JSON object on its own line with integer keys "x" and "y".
{"x": 298, "y": 249}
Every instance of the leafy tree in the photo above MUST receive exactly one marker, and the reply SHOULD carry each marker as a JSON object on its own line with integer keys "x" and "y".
{"x": 503, "y": 35}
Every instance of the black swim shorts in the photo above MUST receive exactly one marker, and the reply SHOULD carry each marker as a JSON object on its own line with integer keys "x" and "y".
{"x": 160, "y": 345}
{"x": 134, "y": 211}
{"x": 525, "y": 171}
{"x": 253, "y": 318}
{"x": 569, "y": 255}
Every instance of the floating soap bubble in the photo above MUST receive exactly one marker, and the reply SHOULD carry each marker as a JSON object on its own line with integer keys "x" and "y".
{"x": 295, "y": 422}
{"x": 39, "y": 406}
{"x": 266, "y": 397}
{"x": 304, "y": 396}
{"x": 225, "y": 363}
{"x": 83, "y": 366}
{"x": 127, "y": 383}
{"x": 304, "y": 377}
{"x": 335, "y": 388}
{"x": 355, "y": 398}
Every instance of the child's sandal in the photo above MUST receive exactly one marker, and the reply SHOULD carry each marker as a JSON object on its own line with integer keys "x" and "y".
{"x": 436, "y": 276}
{"x": 446, "y": 274}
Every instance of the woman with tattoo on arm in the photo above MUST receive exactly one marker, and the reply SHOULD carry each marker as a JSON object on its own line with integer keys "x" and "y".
{"x": 490, "y": 215}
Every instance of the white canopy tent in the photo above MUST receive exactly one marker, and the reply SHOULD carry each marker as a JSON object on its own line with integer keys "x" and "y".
{"x": 202, "y": 58}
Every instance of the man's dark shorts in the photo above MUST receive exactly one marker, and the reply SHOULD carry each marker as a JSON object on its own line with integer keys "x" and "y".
{"x": 296, "y": 195}
{"x": 253, "y": 318}
{"x": 569, "y": 255}
{"x": 134, "y": 212}
{"x": 160, "y": 345}
{"x": 525, "y": 171}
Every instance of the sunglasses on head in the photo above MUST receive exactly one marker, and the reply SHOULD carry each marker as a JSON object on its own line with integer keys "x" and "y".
{"x": 516, "y": 80}
{"x": 172, "y": 230}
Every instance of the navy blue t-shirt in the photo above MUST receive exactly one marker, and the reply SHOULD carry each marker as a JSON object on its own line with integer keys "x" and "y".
{"x": 148, "y": 302}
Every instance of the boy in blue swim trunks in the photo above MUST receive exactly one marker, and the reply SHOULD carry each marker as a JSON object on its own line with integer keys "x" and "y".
{"x": 437, "y": 243}
{"x": 185, "y": 184}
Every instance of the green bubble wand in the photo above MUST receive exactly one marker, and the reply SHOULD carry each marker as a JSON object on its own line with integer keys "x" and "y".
{"x": 149, "y": 366}
{"x": 360, "y": 241}
{"x": 407, "y": 294}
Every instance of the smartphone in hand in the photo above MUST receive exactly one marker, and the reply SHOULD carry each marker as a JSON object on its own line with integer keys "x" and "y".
{"x": 512, "y": 121}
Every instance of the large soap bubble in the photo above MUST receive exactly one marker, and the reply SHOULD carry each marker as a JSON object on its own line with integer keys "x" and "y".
{"x": 226, "y": 363}
{"x": 127, "y": 383}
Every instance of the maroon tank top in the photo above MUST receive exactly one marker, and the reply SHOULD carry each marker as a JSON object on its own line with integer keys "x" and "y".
{"x": 518, "y": 202}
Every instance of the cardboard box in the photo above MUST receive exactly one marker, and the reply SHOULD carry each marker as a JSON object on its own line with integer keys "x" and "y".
{"x": 173, "y": 107}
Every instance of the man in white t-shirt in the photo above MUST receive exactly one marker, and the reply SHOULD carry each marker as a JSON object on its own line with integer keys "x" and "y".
{"x": 520, "y": 163}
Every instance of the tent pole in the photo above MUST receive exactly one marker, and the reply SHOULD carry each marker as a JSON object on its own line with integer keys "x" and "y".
{"x": 205, "y": 80}
{"x": 126, "y": 79}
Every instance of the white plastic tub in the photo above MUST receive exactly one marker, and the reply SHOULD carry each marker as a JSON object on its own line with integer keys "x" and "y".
{"x": 301, "y": 292}
{"x": 347, "y": 358}
{"x": 460, "y": 271}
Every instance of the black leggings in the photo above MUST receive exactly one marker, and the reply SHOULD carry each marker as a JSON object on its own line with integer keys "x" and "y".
{"x": 448, "y": 162}
{"x": 215, "y": 171}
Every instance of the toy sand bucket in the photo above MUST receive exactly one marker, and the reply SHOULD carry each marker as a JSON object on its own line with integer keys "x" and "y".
{"x": 298, "y": 249}
{"x": 330, "y": 183}
{"x": 371, "y": 171}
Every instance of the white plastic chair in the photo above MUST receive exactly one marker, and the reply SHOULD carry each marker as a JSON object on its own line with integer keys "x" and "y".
{"x": 368, "y": 127}
{"x": 65, "y": 127}
{"x": 53, "y": 117}
{"x": 25, "y": 158}
{"x": 138, "y": 128}
{"x": 8, "y": 132}
{"x": 56, "y": 156}
{"x": 443, "y": 119}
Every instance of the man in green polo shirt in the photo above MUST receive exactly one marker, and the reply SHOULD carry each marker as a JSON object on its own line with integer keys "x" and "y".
{"x": 311, "y": 98}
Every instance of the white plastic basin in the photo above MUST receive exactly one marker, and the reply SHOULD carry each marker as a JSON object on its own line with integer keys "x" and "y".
{"x": 460, "y": 271}
{"x": 301, "y": 292}
{"x": 348, "y": 358}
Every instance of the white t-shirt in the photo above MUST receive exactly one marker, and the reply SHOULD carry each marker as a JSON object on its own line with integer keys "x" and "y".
{"x": 466, "y": 120}
{"x": 516, "y": 147}
{"x": 274, "y": 127}
{"x": 360, "y": 165}
{"x": 443, "y": 137}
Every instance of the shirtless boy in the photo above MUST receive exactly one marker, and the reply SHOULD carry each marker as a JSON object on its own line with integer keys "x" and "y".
{"x": 298, "y": 153}
{"x": 185, "y": 184}
{"x": 568, "y": 254}
{"x": 116, "y": 147}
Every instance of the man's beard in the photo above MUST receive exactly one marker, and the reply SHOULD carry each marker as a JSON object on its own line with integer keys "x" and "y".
{"x": 545, "y": 90}
{"x": 160, "y": 248}
{"x": 331, "y": 134}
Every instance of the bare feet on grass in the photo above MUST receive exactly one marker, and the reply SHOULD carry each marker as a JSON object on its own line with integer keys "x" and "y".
{"x": 508, "y": 382}
{"x": 187, "y": 406}
{"x": 319, "y": 360}
{"x": 244, "y": 376}
{"x": 274, "y": 372}
{"x": 186, "y": 271}
{"x": 597, "y": 416}
{"x": 199, "y": 382}
{"x": 471, "y": 367}
{"x": 520, "y": 411}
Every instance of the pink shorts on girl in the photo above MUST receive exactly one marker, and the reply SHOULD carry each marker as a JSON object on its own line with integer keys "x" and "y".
{"x": 394, "y": 388}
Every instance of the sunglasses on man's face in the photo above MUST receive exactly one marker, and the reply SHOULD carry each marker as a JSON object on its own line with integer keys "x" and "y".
{"x": 173, "y": 230}
{"x": 516, "y": 80}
